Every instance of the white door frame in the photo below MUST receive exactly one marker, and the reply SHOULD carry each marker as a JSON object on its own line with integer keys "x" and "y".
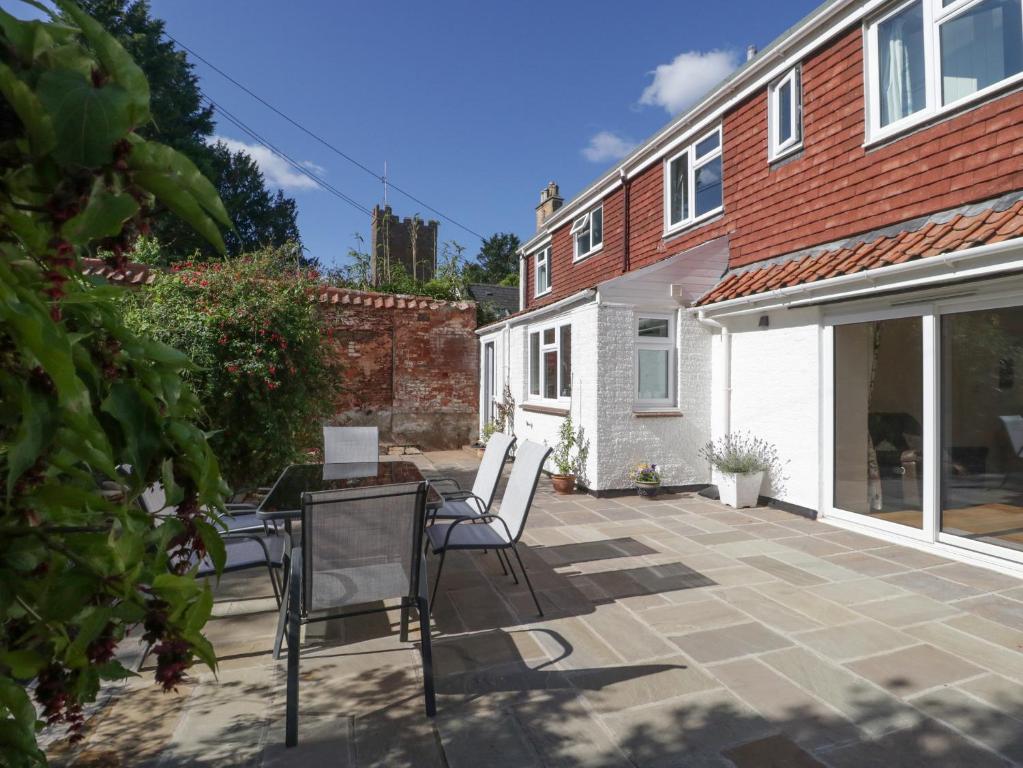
{"x": 929, "y": 308}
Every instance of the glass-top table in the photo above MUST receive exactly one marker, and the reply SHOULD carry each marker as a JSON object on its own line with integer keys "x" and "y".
{"x": 284, "y": 502}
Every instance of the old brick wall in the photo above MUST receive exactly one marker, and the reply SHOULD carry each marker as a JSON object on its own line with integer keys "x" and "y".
{"x": 410, "y": 366}
{"x": 834, "y": 188}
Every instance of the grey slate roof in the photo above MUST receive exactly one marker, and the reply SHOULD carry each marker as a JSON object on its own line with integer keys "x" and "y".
{"x": 504, "y": 298}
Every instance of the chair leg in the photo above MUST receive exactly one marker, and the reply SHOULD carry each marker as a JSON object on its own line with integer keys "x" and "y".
{"x": 500, "y": 559}
{"x": 526, "y": 575}
{"x": 440, "y": 567}
{"x": 427, "y": 651}
{"x": 510, "y": 570}
{"x": 282, "y": 613}
{"x": 403, "y": 634}
{"x": 291, "y": 717}
{"x": 273, "y": 583}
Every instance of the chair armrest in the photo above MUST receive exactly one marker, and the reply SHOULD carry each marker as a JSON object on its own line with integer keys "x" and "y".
{"x": 435, "y": 481}
{"x": 240, "y": 507}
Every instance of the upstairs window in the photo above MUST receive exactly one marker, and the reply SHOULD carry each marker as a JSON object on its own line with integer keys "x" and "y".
{"x": 694, "y": 184}
{"x": 550, "y": 363}
{"x": 785, "y": 115}
{"x": 928, "y": 56}
{"x": 588, "y": 232}
{"x": 655, "y": 361}
{"x": 543, "y": 271}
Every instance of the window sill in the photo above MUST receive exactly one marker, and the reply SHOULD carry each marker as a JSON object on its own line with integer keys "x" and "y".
{"x": 541, "y": 295}
{"x": 584, "y": 256}
{"x": 655, "y": 413}
{"x": 546, "y": 409}
{"x": 681, "y": 229}
{"x": 774, "y": 158}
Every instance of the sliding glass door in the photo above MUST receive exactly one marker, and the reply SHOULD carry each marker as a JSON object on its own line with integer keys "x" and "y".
{"x": 926, "y": 428}
{"x": 982, "y": 426}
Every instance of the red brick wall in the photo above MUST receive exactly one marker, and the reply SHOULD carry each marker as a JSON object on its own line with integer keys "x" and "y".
{"x": 832, "y": 189}
{"x": 411, "y": 371}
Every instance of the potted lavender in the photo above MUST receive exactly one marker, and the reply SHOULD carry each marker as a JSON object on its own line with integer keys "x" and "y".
{"x": 647, "y": 479}
{"x": 740, "y": 461}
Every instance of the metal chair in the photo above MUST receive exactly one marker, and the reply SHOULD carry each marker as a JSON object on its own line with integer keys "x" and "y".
{"x": 346, "y": 445}
{"x": 473, "y": 503}
{"x": 249, "y": 542}
{"x": 359, "y": 546}
{"x": 496, "y": 531}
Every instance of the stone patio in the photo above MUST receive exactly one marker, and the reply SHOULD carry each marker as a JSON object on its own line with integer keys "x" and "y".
{"x": 677, "y": 632}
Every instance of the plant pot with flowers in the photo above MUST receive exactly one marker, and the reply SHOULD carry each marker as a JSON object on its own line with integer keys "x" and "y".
{"x": 647, "y": 479}
{"x": 740, "y": 462}
{"x": 568, "y": 457}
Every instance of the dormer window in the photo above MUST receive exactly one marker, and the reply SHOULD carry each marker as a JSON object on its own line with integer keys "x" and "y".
{"x": 543, "y": 271}
{"x": 588, "y": 232}
{"x": 785, "y": 118}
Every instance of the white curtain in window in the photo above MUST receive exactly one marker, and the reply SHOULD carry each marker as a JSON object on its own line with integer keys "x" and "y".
{"x": 898, "y": 87}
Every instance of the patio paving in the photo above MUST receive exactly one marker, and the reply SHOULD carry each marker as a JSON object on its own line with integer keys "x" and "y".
{"x": 677, "y": 632}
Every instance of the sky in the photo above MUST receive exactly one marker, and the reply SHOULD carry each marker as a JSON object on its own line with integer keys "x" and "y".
{"x": 474, "y": 106}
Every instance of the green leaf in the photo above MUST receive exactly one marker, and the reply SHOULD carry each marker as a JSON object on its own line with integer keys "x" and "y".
{"x": 214, "y": 544}
{"x": 29, "y": 110}
{"x": 115, "y": 60}
{"x": 88, "y": 630}
{"x": 23, "y": 665}
{"x": 34, "y": 432}
{"x": 200, "y": 611}
{"x": 15, "y": 700}
{"x": 88, "y": 121}
{"x": 114, "y": 670}
{"x": 151, "y": 156}
{"x": 168, "y": 584}
{"x": 138, "y": 423}
{"x": 203, "y": 649}
{"x": 104, "y": 216}
{"x": 167, "y": 191}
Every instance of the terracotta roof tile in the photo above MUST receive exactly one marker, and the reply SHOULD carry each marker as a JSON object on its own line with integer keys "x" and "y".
{"x": 930, "y": 239}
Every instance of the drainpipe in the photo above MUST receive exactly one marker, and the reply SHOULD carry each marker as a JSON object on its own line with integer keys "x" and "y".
{"x": 726, "y": 373}
{"x": 624, "y": 177}
{"x": 522, "y": 281}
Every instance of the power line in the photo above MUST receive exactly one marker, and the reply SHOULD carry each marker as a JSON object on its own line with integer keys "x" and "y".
{"x": 319, "y": 181}
{"x": 320, "y": 139}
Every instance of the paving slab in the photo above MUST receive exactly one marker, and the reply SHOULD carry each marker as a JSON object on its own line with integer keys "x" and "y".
{"x": 911, "y": 670}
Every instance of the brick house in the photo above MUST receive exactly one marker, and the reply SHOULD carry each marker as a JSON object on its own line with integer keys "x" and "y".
{"x": 826, "y": 252}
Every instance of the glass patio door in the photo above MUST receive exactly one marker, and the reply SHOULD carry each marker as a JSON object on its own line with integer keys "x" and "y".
{"x": 926, "y": 427}
{"x": 981, "y": 417}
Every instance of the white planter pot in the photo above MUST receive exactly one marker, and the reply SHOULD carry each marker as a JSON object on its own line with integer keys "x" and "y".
{"x": 740, "y": 490}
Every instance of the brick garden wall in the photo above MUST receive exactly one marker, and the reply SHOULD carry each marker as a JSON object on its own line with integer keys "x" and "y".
{"x": 410, "y": 366}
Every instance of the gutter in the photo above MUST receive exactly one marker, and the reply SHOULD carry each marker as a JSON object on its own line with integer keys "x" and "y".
{"x": 957, "y": 264}
{"x": 575, "y": 298}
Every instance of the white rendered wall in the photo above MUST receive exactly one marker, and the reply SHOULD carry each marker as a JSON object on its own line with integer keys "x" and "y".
{"x": 671, "y": 442}
{"x": 776, "y": 395}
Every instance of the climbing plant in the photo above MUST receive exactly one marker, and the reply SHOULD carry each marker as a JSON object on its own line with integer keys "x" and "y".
{"x": 90, "y": 413}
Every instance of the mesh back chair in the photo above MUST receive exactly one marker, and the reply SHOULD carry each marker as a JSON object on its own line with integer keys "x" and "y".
{"x": 359, "y": 546}
{"x": 459, "y": 503}
{"x": 248, "y": 541}
{"x": 496, "y": 531}
{"x": 346, "y": 445}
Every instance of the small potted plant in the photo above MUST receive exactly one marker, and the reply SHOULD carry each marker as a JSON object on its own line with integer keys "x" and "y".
{"x": 740, "y": 461}
{"x": 647, "y": 479}
{"x": 569, "y": 457}
{"x": 487, "y": 432}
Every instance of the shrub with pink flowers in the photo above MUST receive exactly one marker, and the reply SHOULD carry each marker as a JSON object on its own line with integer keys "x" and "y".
{"x": 263, "y": 372}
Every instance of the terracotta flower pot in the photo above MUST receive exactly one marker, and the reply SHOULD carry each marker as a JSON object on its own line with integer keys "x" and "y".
{"x": 563, "y": 484}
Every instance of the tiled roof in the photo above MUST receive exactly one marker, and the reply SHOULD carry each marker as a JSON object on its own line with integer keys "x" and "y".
{"x": 501, "y": 296}
{"x": 130, "y": 274}
{"x": 946, "y": 232}
{"x": 142, "y": 274}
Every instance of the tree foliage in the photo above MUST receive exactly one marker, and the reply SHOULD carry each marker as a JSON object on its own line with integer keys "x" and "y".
{"x": 182, "y": 120}
{"x": 264, "y": 371}
{"x": 82, "y": 395}
{"x": 497, "y": 262}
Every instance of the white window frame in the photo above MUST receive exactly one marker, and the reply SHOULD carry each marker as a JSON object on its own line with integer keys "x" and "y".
{"x": 668, "y": 344}
{"x": 582, "y": 223}
{"x": 934, "y": 16}
{"x": 542, "y": 256}
{"x": 690, "y": 218}
{"x": 778, "y": 149}
{"x": 538, "y": 397}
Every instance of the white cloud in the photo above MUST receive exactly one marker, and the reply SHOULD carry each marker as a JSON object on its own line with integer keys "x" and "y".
{"x": 680, "y": 84}
{"x": 278, "y": 172}
{"x": 607, "y": 145}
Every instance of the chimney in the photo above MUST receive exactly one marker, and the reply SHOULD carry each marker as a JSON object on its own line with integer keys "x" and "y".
{"x": 550, "y": 201}
{"x": 751, "y": 51}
